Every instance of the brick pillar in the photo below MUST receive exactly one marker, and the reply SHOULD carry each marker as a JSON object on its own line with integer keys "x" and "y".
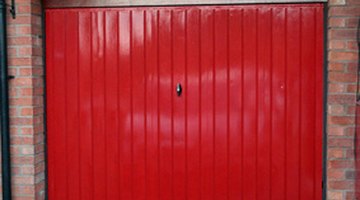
{"x": 27, "y": 107}
{"x": 26, "y": 100}
{"x": 342, "y": 56}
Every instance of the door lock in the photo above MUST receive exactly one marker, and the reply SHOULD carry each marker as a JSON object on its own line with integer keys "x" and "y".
{"x": 178, "y": 89}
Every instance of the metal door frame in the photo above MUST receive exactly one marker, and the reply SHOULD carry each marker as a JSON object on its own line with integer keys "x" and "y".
{"x": 123, "y": 3}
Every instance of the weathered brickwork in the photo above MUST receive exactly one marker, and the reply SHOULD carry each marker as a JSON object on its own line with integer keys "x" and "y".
{"x": 27, "y": 103}
{"x": 26, "y": 100}
{"x": 343, "y": 17}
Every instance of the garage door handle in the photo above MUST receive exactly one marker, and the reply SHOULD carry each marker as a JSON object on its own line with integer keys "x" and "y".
{"x": 178, "y": 89}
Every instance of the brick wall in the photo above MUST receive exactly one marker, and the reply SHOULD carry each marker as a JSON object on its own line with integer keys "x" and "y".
{"x": 343, "y": 19}
{"x": 26, "y": 100}
{"x": 27, "y": 123}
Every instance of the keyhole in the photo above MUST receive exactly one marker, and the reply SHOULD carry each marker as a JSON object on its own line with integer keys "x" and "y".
{"x": 178, "y": 89}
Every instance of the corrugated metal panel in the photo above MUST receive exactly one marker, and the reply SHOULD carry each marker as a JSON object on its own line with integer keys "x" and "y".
{"x": 248, "y": 124}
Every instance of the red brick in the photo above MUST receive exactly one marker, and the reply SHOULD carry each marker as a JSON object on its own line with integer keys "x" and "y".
{"x": 344, "y": 11}
{"x": 13, "y": 92}
{"x": 350, "y": 130}
{"x": 23, "y": 9}
{"x": 20, "y": 61}
{"x": 36, "y": 9}
{"x": 12, "y": 52}
{"x": 351, "y": 88}
{"x": 337, "y": 44}
{"x": 26, "y": 131}
{"x": 340, "y": 142}
{"x": 25, "y": 51}
{"x": 21, "y": 140}
{"x": 21, "y": 121}
{"x": 26, "y": 190}
{"x": 21, "y": 101}
{"x": 11, "y": 30}
{"x": 21, "y": 81}
{"x": 24, "y": 30}
{"x": 351, "y": 22}
{"x": 342, "y": 56}
{"x": 336, "y": 66}
{"x": 22, "y": 160}
{"x": 27, "y": 170}
{"x": 39, "y": 148}
{"x": 22, "y": 197}
{"x": 335, "y": 153}
{"x": 25, "y": 71}
{"x": 342, "y": 99}
{"x": 13, "y": 111}
{"x": 39, "y": 128}
{"x": 352, "y": 67}
{"x": 27, "y": 112}
{"x": 336, "y": 88}
{"x": 342, "y": 33}
{"x": 39, "y": 157}
{"x": 24, "y": 180}
{"x": 337, "y": 22}
{"x": 24, "y": 43}
{"x": 353, "y": 2}
{"x": 37, "y": 51}
{"x": 40, "y": 167}
{"x": 350, "y": 153}
{"x": 341, "y": 185}
{"x": 336, "y": 109}
{"x": 342, "y": 77}
{"x": 27, "y": 150}
{"x": 339, "y": 131}
{"x": 21, "y": 19}
{"x": 336, "y": 174}
{"x": 352, "y": 45}
{"x": 334, "y": 195}
{"x": 351, "y": 110}
{"x": 25, "y": 92}
{"x": 24, "y": 40}
{"x": 350, "y": 195}
{"x": 342, "y": 120}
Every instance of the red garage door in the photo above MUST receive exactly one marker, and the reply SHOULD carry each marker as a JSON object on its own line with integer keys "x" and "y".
{"x": 247, "y": 123}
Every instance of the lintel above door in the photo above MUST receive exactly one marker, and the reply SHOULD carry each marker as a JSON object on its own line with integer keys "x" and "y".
{"x": 117, "y": 3}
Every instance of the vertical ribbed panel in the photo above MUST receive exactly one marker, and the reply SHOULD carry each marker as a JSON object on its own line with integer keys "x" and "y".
{"x": 248, "y": 124}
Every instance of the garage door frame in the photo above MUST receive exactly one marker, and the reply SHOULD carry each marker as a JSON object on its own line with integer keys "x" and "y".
{"x": 50, "y": 4}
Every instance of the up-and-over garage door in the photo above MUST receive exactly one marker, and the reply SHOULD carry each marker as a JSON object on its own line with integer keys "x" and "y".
{"x": 197, "y": 102}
